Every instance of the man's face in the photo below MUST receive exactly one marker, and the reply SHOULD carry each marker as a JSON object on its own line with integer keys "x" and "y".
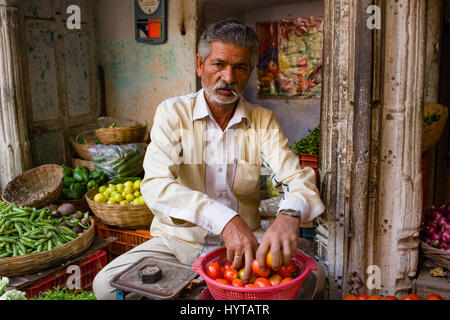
{"x": 226, "y": 69}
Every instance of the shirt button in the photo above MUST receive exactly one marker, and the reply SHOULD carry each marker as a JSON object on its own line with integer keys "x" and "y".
{"x": 220, "y": 169}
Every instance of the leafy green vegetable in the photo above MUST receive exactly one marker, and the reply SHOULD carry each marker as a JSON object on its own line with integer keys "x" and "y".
{"x": 3, "y": 283}
{"x": 430, "y": 118}
{"x": 13, "y": 295}
{"x": 65, "y": 294}
{"x": 308, "y": 144}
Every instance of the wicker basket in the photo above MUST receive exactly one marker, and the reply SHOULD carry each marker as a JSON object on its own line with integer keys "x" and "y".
{"x": 127, "y": 217}
{"x": 121, "y": 135}
{"x": 80, "y": 162}
{"x": 433, "y": 132}
{"x": 82, "y": 150}
{"x": 37, "y": 187}
{"x": 35, "y": 262}
{"x": 438, "y": 256}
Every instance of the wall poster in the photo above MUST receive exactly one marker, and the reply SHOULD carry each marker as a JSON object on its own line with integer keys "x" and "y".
{"x": 290, "y": 58}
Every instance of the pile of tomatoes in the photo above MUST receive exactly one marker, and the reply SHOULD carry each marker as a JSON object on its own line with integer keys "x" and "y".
{"x": 260, "y": 278}
{"x": 412, "y": 296}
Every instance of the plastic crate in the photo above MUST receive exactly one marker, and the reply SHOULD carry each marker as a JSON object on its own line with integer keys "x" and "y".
{"x": 126, "y": 239}
{"x": 89, "y": 267}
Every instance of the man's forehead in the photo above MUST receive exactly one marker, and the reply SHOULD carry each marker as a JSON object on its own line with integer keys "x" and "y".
{"x": 226, "y": 51}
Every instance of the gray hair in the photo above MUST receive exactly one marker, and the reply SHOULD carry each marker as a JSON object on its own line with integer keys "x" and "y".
{"x": 229, "y": 31}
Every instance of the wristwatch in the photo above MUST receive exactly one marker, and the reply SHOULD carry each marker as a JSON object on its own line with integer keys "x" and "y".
{"x": 290, "y": 212}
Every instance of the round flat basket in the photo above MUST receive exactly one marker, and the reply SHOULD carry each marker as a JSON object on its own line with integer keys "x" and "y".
{"x": 82, "y": 150}
{"x": 35, "y": 262}
{"x": 127, "y": 217}
{"x": 121, "y": 135}
{"x": 37, "y": 187}
{"x": 432, "y": 133}
{"x": 438, "y": 256}
{"x": 85, "y": 163}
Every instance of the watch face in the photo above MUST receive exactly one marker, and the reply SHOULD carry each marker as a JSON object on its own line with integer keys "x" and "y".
{"x": 148, "y": 6}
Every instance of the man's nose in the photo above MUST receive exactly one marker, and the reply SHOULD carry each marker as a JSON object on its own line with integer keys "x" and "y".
{"x": 228, "y": 75}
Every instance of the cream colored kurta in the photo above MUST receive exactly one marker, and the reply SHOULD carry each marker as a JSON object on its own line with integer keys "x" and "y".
{"x": 174, "y": 182}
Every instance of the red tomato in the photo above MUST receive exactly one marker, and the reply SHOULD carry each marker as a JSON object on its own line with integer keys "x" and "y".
{"x": 258, "y": 271}
{"x": 362, "y": 296}
{"x": 373, "y": 297}
{"x": 351, "y": 297}
{"x": 288, "y": 271}
{"x": 434, "y": 297}
{"x": 286, "y": 279}
{"x": 231, "y": 274}
{"x": 221, "y": 280}
{"x": 389, "y": 298}
{"x": 227, "y": 265}
{"x": 237, "y": 283}
{"x": 269, "y": 259}
{"x": 275, "y": 279}
{"x": 213, "y": 270}
{"x": 250, "y": 285}
{"x": 262, "y": 282}
{"x": 411, "y": 296}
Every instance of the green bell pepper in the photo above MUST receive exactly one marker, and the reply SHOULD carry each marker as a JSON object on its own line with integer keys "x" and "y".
{"x": 92, "y": 184}
{"x": 68, "y": 181}
{"x": 67, "y": 171}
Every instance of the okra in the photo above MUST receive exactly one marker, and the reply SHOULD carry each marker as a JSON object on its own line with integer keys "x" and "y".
{"x": 5, "y": 255}
{"x": 8, "y": 240}
{"x": 18, "y": 228}
{"x": 50, "y": 245}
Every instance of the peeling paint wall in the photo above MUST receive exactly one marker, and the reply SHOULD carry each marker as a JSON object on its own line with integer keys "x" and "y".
{"x": 140, "y": 76}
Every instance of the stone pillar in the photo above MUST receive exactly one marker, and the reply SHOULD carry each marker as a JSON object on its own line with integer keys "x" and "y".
{"x": 15, "y": 154}
{"x": 371, "y": 131}
{"x": 399, "y": 194}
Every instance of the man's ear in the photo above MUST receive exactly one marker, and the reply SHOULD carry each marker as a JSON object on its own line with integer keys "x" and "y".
{"x": 198, "y": 64}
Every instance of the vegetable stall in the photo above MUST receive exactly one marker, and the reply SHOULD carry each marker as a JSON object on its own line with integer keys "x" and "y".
{"x": 47, "y": 223}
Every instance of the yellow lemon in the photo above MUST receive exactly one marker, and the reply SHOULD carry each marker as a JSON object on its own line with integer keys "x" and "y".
{"x": 99, "y": 198}
{"x": 129, "y": 197}
{"x": 107, "y": 194}
{"x": 102, "y": 189}
{"x": 128, "y": 190}
{"x": 124, "y": 202}
{"x": 112, "y": 187}
{"x": 120, "y": 187}
{"x": 111, "y": 201}
{"x": 137, "y": 185}
{"x": 117, "y": 197}
{"x": 129, "y": 184}
{"x": 141, "y": 200}
{"x": 135, "y": 202}
{"x": 137, "y": 194}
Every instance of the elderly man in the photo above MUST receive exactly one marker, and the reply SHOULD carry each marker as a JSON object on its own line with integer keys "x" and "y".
{"x": 202, "y": 168}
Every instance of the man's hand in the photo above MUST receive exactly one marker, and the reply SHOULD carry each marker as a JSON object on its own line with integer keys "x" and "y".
{"x": 282, "y": 235}
{"x": 241, "y": 244}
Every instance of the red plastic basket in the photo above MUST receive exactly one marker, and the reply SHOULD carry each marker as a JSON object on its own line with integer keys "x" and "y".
{"x": 89, "y": 268}
{"x": 126, "y": 239}
{"x": 286, "y": 291}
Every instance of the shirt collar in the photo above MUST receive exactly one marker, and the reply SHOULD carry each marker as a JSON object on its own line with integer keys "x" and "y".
{"x": 201, "y": 109}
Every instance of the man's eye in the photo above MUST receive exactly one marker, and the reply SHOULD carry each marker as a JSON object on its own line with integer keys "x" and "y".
{"x": 218, "y": 64}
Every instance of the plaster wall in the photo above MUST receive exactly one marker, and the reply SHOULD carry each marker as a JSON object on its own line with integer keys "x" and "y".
{"x": 138, "y": 77}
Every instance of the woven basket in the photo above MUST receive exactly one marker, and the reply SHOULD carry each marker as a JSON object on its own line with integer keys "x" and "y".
{"x": 433, "y": 132}
{"x": 35, "y": 262}
{"x": 80, "y": 162}
{"x": 127, "y": 217}
{"x": 82, "y": 150}
{"x": 438, "y": 256}
{"x": 37, "y": 187}
{"x": 121, "y": 135}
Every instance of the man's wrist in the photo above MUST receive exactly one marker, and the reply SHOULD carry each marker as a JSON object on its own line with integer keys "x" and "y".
{"x": 290, "y": 213}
